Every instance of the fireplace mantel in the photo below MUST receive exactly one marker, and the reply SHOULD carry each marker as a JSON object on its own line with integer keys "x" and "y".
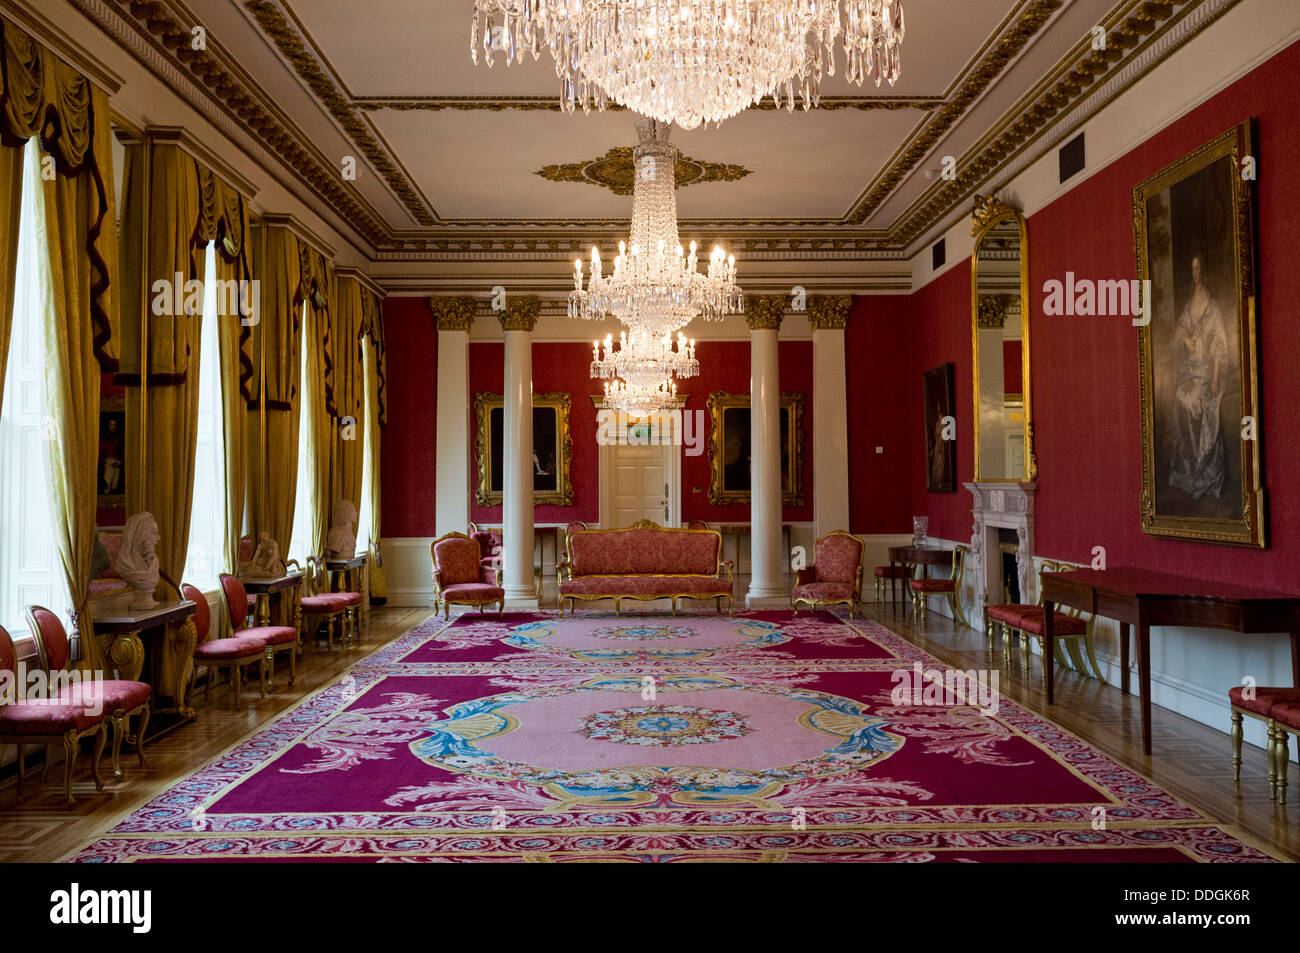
{"x": 1000, "y": 505}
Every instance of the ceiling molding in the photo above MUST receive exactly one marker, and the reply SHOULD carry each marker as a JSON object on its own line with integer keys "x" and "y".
{"x": 201, "y": 151}
{"x": 552, "y": 103}
{"x": 615, "y": 171}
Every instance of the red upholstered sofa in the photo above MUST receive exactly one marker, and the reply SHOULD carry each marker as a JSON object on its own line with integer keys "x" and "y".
{"x": 645, "y": 561}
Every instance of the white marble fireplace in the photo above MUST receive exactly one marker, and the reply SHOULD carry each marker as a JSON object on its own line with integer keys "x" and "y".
{"x": 999, "y": 506}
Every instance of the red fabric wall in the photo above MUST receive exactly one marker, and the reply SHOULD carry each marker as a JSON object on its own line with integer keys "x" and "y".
{"x": 1086, "y": 404}
{"x": 409, "y": 444}
{"x": 878, "y": 380}
{"x": 941, "y": 334}
{"x": 557, "y": 367}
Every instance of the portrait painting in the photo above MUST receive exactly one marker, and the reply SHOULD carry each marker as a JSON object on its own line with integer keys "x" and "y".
{"x": 552, "y": 449}
{"x": 940, "y": 411}
{"x": 730, "y": 452}
{"x": 110, "y": 464}
{"x": 1197, "y": 347}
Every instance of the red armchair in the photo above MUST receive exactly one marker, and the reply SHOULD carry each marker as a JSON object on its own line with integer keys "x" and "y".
{"x": 834, "y": 578}
{"x": 278, "y": 638}
{"x": 460, "y": 577}
{"x": 38, "y": 722}
{"x": 335, "y": 608}
{"x": 119, "y": 699}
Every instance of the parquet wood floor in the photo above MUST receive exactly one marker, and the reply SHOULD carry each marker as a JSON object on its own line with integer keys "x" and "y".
{"x": 1190, "y": 760}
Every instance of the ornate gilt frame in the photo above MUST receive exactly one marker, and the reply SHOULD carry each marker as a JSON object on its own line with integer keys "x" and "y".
{"x": 792, "y": 491}
{"x": 987, "y": 215}
{"x": 562, "y": 495}
{"x": 1251, "y": 529}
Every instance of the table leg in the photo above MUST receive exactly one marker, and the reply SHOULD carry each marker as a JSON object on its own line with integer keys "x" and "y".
{"x": 1049, "y": 647}
{"x": 1123, "y": 657}
{"x": 1144, "y": 680}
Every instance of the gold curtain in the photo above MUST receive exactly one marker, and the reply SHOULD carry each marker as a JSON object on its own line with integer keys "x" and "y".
{"x": 315, "y": 457}
{"x": 11, "y": 200}
{"x": 373, "y": 377}
{"x": 348, "y": 410}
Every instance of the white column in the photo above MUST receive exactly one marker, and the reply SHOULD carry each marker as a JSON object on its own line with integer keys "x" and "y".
{"x": 518, "y": 321}
{"x": 766, "y": 585}
{"x": 451, "y": 506}
{"x": 829, "y": 316}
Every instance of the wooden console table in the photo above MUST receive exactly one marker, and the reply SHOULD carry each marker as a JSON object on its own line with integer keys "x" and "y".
{"x": 118, "y": 646}
{"x": 745, "y": 529}
{"x": 1142, "y": 599}
{"x": 911, "y": 557}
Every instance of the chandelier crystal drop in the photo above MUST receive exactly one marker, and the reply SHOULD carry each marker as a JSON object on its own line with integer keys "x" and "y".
{"x": 693, "y": 61}
{"x": 656, "y": 286}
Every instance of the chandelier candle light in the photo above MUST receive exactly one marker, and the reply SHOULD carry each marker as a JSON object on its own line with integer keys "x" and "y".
{"x": 639, "y": 374}
{"x": 693, "y": 61}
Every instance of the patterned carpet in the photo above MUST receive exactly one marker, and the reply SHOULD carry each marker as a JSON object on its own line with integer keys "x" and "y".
{"x": 759, "y": 737}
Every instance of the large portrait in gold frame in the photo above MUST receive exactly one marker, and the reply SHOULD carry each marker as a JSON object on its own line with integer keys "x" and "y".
{"x": 1193, "y": 226}
{"x": 729, "y": 448}
{"x": 552, "y": 449}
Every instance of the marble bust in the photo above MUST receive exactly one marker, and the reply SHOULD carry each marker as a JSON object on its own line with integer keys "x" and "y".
{"x": 137, "y": 560}
{"x": 341, "y": 542}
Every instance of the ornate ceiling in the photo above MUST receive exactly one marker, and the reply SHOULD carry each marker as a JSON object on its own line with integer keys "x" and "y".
{"x": 456, "y": 162}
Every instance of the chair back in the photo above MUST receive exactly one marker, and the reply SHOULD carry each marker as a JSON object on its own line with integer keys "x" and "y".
{"x": 958, "y": 565}
{"x": 202, "y": 612}
{"x": 837, "y": 557}
{"x": 235, "y": 597}
{"x": 246, "y": 549}
{"x": 456, "y": 559}
{"x": 697, "y": 524}
{"x": 52, "y": 648}
{"x": 313, "y": 574}
{"x": 8, "y": 656}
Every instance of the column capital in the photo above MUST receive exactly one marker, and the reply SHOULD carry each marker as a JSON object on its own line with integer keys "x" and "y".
{"x": 453, "y": 313}
{"x": 521, "y": 313}
{"x": 764, "y": 312}
{"x": 829, "y": 312}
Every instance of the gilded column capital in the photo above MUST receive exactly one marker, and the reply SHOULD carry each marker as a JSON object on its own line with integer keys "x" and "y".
{"x": 764, "y": 312}
{"x": 453, "y": 313}
{"x": 520, "y": 313}
{"x": 829, "y": 312}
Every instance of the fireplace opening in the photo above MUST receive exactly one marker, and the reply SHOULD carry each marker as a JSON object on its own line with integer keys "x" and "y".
{"x": 1008, "y": 547}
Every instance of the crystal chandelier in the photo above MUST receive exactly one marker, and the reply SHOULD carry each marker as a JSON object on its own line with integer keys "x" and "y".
{"x": 693, "y": 61}
{"x": 656, "y": 287}
{"x": 639, "y": 374}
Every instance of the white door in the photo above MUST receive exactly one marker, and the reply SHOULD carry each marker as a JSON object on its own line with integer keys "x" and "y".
{"x": 638, "y": 482}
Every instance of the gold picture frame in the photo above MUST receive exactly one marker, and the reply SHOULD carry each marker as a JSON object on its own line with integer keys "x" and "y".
{"x": 1193, "y": 226}
{"x": 552, "y": 449}
{"x": 729, "y": 443}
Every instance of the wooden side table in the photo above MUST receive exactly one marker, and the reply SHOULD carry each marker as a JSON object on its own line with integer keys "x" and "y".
{"x": 909, "y": 557}
{"x": 173, "y": 636}
{"x": 277, "y": 589}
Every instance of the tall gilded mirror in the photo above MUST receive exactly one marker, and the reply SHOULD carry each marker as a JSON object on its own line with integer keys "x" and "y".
{"x": 1004, "y": 447}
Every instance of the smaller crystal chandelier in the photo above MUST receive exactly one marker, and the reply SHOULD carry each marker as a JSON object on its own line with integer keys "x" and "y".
{"x": 640, "y": 373}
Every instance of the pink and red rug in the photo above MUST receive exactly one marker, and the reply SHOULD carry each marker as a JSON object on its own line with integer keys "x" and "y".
{"x": 759, "y": 737}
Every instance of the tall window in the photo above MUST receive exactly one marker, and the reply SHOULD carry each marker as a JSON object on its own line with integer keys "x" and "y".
{"x": 365, "y": 527}
{"x": 300, "y": 543}
{"x": 30, "y": 571}
{"x": 205, "y": 559}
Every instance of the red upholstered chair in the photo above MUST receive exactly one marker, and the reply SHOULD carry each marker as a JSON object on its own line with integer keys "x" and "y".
{"x": 1279, "y": 709}
{"x": 697, "y": 524}
{"x": 950, "y": 587}
{"x": 120, "y": 699}
{"x": 330, "y": 608}
{"x": 459, "y": 576}
{"x": 278, "y": 638}
{"x": 834, "y": 578}
{"x": 888, "y": 576}
{"x": 235, "y": 653}
{"x": 1068, "y": 628}
{"x": 42, "y": 722}
{"x": 246, "y": 553}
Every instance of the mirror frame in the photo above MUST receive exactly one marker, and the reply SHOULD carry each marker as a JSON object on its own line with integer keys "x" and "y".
{"x": 987, "y": 215}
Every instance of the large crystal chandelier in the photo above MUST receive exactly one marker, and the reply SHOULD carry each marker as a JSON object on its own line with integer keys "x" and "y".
{"x": 640, "y": 373}
{"x": 693, "y": 61}
{"x": 656, "y": 287}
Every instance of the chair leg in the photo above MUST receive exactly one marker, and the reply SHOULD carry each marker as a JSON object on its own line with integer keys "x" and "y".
{"x": 235, "y": 678}
{"x": 69, "y": 757}
{"x": 1006, "y": 644}
{"x": 119, "y": 732}
{"x": 268, "y": 659}
{"x": 1236, "y": 747}
{"x": 1283, "y": 757}
{"x": 293, "y": 667}
{"x": 1092, "y": 657}
{"x": 101, "y": 736}
{"x": 1025, "y": 652}
{"x": 266, "y": 675}
{"x": 139, "y": 732}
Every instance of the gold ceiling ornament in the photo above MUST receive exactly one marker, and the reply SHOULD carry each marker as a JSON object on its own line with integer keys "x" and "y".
{"x": 764, "y": 312}
{"x": 453, "y": 313}
{"x": 988, "y": 209}
{"x": 520, "y": 313}
{"x": 615, "y": 171}
{"x": 829, "y": 312}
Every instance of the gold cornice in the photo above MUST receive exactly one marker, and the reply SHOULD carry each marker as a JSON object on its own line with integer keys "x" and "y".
{"x": 615, "y": 171}
{"x": 521, "y": 313}
{"x": 829, "y": 312}
{"x": 453, "y": 313}
{"x": 764, "y": 312}
{"x": 302, "y": 231}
